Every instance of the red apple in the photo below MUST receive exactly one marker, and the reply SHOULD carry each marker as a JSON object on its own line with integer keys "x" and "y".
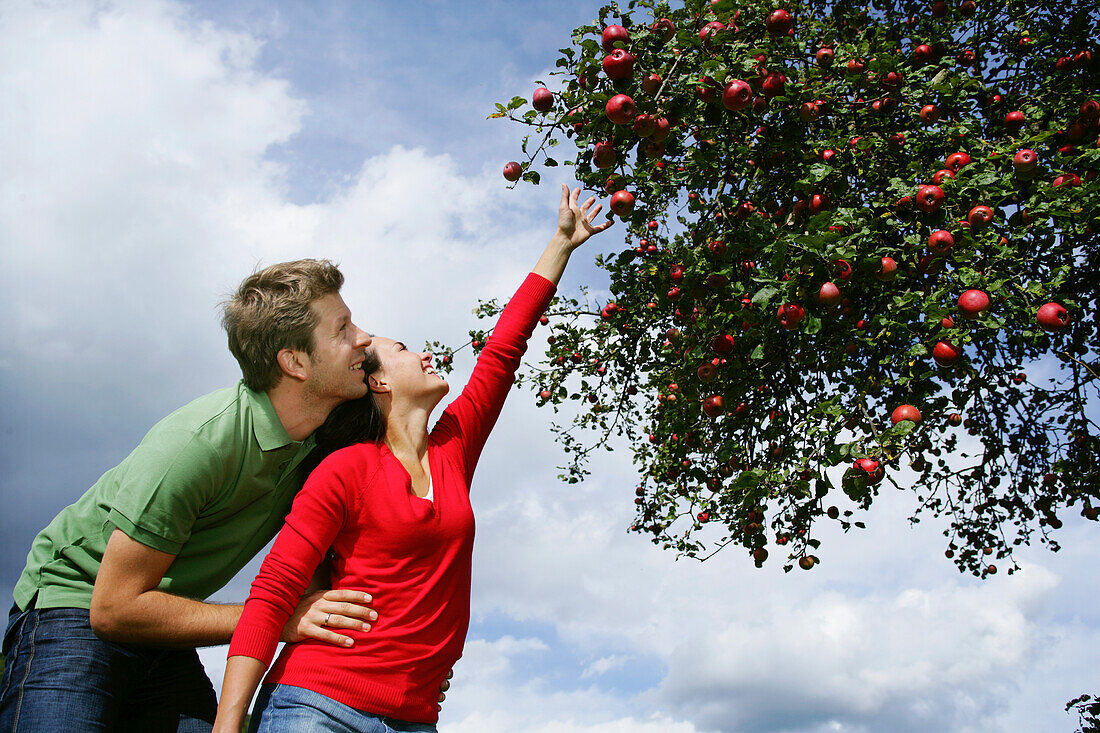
{"x": 820, "y": 202}
{"x": 929, "y": 114}
{"x": 871, "y": 468}
{"x": 707, "y": 372}
{"x": 956, "y": 162}
{"x": 828, "y": 294}
{"x": 676, "y": 274}
{"x": 929, "y": 198}
{"x": 1069, "y": 180}
{"x": 618, "y": 64}
{"x": 941, "y": 242}
{"x": 664, "y": 28}
{"x": 714, "y": 405}
{"x": 930, "y": 264}
{"x": 888, "y": 269}
{"x": 603, "y": 154}
{"x": 620, "y": 109}
{"x": 808, "y": 112}
{"x": 945, "y": 354}
{"x": 790, "y": 315}
{"x": 707, "y": 90}
{"x": 614, "y": 33}
{"x": 972, "y": 304}
{"x": 1025, "y": 160}
{"x": 1014, "y": 120}
{"x": 941, "y": 174}
{"x": 891, "y": 81}
{"x": 774, "y": 85}
{"x": 709, "y": 31}
{"x": 722, "y": 344}
{"x": 512, "y": 171}
{"x": 622, "y": 203}
{"x": 923, "y": 53}
{"x": 778, "y": 23}
{"x": 737, "y": 95}
{"x": 644, "y": 125}
{"x": 1052, "y": 317}
{"x": 843, "y": 270}
{"x": 663, "y": 127}
{"x": 651, "y": 84}
{"x": 980, "y": 217}
{"x": 905, "y": 412}
{"x": 542, "y": 99}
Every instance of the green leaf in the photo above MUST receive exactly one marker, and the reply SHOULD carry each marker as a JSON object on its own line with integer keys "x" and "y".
{"x": 763, "y": 295}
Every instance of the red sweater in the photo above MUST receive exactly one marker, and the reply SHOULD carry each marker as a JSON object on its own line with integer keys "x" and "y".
{"x": 411, "y": 554}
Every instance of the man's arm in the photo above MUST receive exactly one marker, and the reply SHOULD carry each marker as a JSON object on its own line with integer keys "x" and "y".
{"x": 127, "y": 607}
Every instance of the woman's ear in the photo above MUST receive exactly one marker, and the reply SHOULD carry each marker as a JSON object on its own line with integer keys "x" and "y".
{"x": 293, "y": 363}
{"x": 376, "y": 385}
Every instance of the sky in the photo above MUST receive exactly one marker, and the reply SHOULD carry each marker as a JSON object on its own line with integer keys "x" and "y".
{"x": 153, "y": 153}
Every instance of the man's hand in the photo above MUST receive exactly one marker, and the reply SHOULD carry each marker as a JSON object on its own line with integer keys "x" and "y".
{"x": 322, "y": 611}
{"x": 444, "y": 687}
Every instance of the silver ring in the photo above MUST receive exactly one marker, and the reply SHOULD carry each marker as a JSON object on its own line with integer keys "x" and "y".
{"x": 326, "y": 619}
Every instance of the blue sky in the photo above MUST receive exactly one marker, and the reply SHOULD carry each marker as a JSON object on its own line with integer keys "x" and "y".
{"x": 152, "y": 153}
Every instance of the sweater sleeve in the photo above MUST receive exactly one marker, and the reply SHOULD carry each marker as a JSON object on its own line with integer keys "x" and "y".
{"x": 466, "y": 423}
{"x": 319, "y": 512}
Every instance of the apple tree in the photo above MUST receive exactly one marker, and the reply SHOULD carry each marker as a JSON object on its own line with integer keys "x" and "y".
{"x": 861, "y": 238}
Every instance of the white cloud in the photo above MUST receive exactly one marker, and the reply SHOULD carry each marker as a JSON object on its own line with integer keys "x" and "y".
{"x": 604, "y": 665}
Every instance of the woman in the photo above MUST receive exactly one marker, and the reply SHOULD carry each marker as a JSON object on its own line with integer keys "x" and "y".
{"x": 395, "y": 514}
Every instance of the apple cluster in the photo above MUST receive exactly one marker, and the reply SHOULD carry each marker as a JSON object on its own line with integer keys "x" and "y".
{"x": 851, "y": 232}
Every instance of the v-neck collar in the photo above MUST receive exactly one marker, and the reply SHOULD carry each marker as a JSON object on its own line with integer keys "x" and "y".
{"x": 433, "y": 485}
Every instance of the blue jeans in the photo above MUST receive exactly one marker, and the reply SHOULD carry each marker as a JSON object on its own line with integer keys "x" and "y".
{"x": 58, "y": 676}
{"x": 289, "y": 709}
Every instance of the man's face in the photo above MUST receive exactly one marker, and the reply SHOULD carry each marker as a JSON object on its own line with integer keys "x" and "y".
{"x": 336, "y": 364}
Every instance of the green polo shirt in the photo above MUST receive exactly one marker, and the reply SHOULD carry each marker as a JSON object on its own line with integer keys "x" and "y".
{"x": 211, "y": 484}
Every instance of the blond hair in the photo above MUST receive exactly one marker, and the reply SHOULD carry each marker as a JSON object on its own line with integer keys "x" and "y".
{"x": 271, "y": 311}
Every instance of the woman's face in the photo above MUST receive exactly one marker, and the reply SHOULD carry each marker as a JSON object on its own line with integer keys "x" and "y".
{"x": 407, "y": 374}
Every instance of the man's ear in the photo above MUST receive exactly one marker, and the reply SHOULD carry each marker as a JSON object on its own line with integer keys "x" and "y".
{"x": 294, "y": 363}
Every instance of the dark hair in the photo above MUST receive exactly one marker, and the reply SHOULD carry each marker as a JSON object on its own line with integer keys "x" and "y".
{"x": 355, "y": 421}
{"x": 271, "y": 311}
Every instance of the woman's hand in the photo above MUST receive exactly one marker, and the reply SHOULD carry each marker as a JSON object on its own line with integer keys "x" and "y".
{"x": 575, "y": 222}
{"x": 574, "y": 228}
{"x": 321, "y": 614}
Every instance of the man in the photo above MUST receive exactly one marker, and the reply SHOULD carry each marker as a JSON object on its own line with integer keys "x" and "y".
{"x": 109, "y": 608}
